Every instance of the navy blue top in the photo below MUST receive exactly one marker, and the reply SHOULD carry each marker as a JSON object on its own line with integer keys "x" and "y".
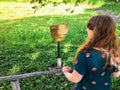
{"x": 90, "y": 64}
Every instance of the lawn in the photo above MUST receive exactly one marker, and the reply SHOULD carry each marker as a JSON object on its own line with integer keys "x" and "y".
{"x": 112, "y": 6}
{"x": 27, "y": 46}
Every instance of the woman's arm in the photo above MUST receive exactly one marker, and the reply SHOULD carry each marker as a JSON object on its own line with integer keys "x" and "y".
{"x": 74, "y": 76}
{"x": 116, "y": 74}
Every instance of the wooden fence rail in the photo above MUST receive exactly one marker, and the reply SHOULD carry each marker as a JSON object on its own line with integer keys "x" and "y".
{"x": 15, "y": 78}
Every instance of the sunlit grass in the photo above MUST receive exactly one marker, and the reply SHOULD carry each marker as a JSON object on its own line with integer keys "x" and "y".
{"x": 14, "y": 10}
{"x": 112, "y": 6}
{"x": 14, "y": 69}
{"x": 27, "y": 46}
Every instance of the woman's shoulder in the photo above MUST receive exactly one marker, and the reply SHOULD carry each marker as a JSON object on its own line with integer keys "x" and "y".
{"x": 90, "y": 53}
{"x": 92, "y": 50}
{"x": 85, "y": 53}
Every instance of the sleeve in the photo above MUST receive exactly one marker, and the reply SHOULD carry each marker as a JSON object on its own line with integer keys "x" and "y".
{"x": 80, "y": 66}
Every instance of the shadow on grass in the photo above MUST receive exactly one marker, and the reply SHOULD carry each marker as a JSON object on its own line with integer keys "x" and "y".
{"x": 27, "y": 46}
{"x": 112, "y": 7}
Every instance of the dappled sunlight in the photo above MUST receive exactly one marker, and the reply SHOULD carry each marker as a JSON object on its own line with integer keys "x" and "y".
{"x": 35, "y": 55}
{"x": 28, "y": 39}
{"x": 65, "y": 50}
{"x": 62, "y": 9}
{"x": 66, "y": 47}
{"x": 14, "y": 70}
{"x": 68, "y": 44}
{"x": 26, "y": 44}
{"x": 14, "y": 10}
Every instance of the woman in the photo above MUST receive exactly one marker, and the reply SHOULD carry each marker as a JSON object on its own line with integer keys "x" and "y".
{"x": 98, "y": 58}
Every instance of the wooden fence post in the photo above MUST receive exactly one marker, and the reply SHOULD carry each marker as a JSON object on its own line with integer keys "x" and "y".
{"x": 15, "y": 78}
{"x": 15, "y": 84}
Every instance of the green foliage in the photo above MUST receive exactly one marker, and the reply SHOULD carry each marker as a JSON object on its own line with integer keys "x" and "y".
{"x": 95, "y": 2}
{"x": 115, "y": 85}
{"x": 114, "y": 7}
{"x": 27, "y": 46}
{"x": 116, "y": 1}
{"x": 16, "y": 0}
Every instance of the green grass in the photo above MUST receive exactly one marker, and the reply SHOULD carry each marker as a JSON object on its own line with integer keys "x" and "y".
{"x": 112, "y": 6}
{"x": 27, "y": 46}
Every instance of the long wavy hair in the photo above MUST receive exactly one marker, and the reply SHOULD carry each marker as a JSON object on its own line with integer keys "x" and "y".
{"x": 104, "y": 35}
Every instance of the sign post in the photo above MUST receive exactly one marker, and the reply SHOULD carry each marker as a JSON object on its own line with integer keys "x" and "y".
{"x": 58, "y": 33}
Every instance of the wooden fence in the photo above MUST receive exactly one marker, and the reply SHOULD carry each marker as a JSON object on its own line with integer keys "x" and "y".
{"x": 15, "y": 78}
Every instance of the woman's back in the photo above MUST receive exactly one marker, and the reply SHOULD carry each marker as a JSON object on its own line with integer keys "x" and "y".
{"x": 93, "y": 68}
{"x": 96, "y": 77}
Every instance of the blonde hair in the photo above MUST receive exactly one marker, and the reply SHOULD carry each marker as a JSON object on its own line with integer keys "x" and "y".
{"x": 104, "y": 35}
